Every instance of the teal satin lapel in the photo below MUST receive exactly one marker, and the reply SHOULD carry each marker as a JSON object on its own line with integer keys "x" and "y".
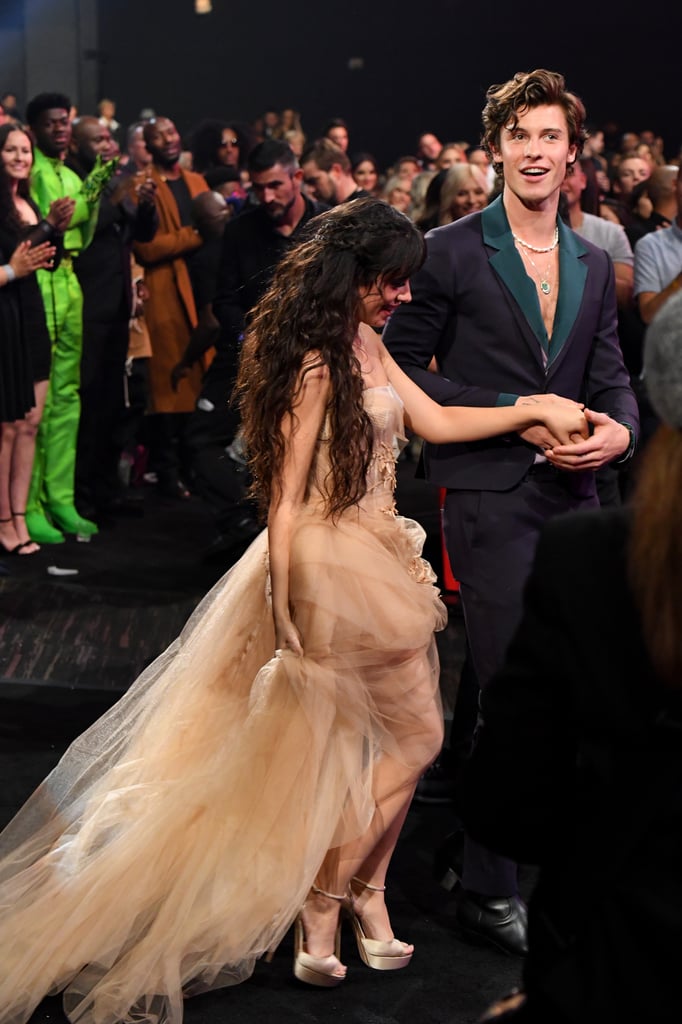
{"x": 573, "y": 274}
{"x": 508, "y": 265}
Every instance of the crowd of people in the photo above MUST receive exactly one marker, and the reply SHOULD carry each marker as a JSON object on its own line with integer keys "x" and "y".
{"x": 283, "y": 314}
{"x": 146, "y": 296}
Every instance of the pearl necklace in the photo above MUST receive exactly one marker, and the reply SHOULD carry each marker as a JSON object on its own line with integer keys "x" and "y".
{"x": 535, "y": 248}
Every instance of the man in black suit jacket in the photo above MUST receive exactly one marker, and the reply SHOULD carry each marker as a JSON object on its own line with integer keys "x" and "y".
{"x": 512, "y": 303}
{"x": 103, "y": 271}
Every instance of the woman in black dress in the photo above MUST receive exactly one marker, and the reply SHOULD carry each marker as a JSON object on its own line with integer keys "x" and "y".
{"x": 27, "y": 244}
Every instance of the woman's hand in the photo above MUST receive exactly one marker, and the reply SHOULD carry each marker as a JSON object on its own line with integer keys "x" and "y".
{"x": 565, "y": 420}
{"x": 287, "y": 637}
{"x": 61, "y": 212}
{"x": 27, "y": 258}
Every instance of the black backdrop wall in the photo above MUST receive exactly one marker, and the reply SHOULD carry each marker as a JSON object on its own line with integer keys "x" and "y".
{"x": 421, "y": 67}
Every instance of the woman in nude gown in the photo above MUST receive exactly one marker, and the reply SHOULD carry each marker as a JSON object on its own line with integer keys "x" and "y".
{"x": 258, "y": 773}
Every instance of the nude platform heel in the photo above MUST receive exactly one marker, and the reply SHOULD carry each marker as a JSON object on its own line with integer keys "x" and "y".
{"x": 317, "y": 970}
{"x": 378, "y": 954}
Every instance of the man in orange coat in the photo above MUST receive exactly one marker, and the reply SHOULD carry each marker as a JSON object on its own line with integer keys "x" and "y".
{"x": 170, "y": 310}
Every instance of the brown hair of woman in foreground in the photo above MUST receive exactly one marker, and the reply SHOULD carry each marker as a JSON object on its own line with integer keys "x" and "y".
{"x": 655, "y": 555}
{"x": 312, "y": 305}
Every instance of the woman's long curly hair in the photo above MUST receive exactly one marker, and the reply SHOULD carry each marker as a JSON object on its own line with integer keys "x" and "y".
{"x": 9, "y": 217}
{"x": 313, "y": 305}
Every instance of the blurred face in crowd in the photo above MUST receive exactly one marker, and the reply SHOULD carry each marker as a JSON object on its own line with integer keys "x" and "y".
{"x": 339, "y": 136}
{"x": 276, "y": 190}
{"x": 53, "y": 131}
{"x": 408, "y": 169}
{"x": 632, "y": 170}
{"x": 319, "y": 184}
{"x": 137, "y": 150}
{"x": 448, "y": 156}
{"x": 429, "y": 146}
{"x": 17, "y": 156}
{"x": 228, "y": 150}
{"x": 366, "y": 175}
{"x": 400, "y": 196}
{"x": 574, "y": 184}
{"x": 471, "y": 195}
{"x": 479, "y": 158}
{"x": 91, "y": 139}
{"x": 163, "y": 141}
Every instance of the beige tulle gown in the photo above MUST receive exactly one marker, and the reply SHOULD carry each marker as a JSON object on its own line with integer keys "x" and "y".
{"x": 177, "y": 838}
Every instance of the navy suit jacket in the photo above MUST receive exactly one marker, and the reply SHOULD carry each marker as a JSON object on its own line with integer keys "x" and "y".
{"x": 475, "y": 308}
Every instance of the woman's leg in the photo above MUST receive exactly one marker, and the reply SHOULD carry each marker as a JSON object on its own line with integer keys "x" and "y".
{"x": 22, "y": 461}
{"x": 8, "y": 534}
{"x": 417, "y": 728}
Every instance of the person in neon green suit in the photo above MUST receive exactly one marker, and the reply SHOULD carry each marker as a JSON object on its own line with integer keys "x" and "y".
{"x": 51, "y": 511}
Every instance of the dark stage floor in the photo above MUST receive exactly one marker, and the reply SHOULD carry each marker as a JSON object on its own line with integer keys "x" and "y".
{"x": 70, "y": 644}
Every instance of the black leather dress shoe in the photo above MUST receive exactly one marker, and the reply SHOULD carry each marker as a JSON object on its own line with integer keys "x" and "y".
{"x": 500, "y": 921}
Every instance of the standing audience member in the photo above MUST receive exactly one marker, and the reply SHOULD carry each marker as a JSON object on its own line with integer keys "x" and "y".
{"x": 26, "y": 244}
{"x": 512, "y": 303}
{"x": 327, "y": 174}
{"x": 578, "y": 764}
{"x": 658, "y": 264}
{"x": 170, "y": 310}
{"x": 51, "y": 506}
{"x": 139, "y": 158}
{"x": 103, "y": 271}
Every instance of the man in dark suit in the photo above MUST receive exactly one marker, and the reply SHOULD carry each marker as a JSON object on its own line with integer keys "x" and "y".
{"x": 512, "y": 303}
{"x": 103, "y": 271}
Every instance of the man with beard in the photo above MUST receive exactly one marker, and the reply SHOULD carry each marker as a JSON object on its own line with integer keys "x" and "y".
{"x": 51, "y": 508}
{"x": 170, "y": 311}
{"x": 253, "y": 243}
{"x": 103, "y": 271}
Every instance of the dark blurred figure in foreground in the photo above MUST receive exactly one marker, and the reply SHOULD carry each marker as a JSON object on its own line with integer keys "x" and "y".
{"x": 578, "y": 764}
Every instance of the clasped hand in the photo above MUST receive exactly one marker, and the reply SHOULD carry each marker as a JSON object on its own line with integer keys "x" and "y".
{"x": 563, "y": 421}
{"x": 565, "y": 436}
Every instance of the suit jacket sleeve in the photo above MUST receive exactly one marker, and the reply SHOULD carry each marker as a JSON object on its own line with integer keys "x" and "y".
{"x": 228, "y": 304}
{"x": 418, "y": 329}
{"x": 607, "y": 381}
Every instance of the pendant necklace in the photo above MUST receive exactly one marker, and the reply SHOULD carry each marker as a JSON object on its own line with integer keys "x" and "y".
{"x": 545, "y": 286}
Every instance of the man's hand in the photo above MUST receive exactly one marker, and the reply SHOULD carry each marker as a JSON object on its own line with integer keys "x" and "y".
{"x": 178, "y": 373}
{"x": 61, "y": 212}
{"x": 539, "y": 436}
{"x": 146, "y": 191}
{"x": 608, "y": 440}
